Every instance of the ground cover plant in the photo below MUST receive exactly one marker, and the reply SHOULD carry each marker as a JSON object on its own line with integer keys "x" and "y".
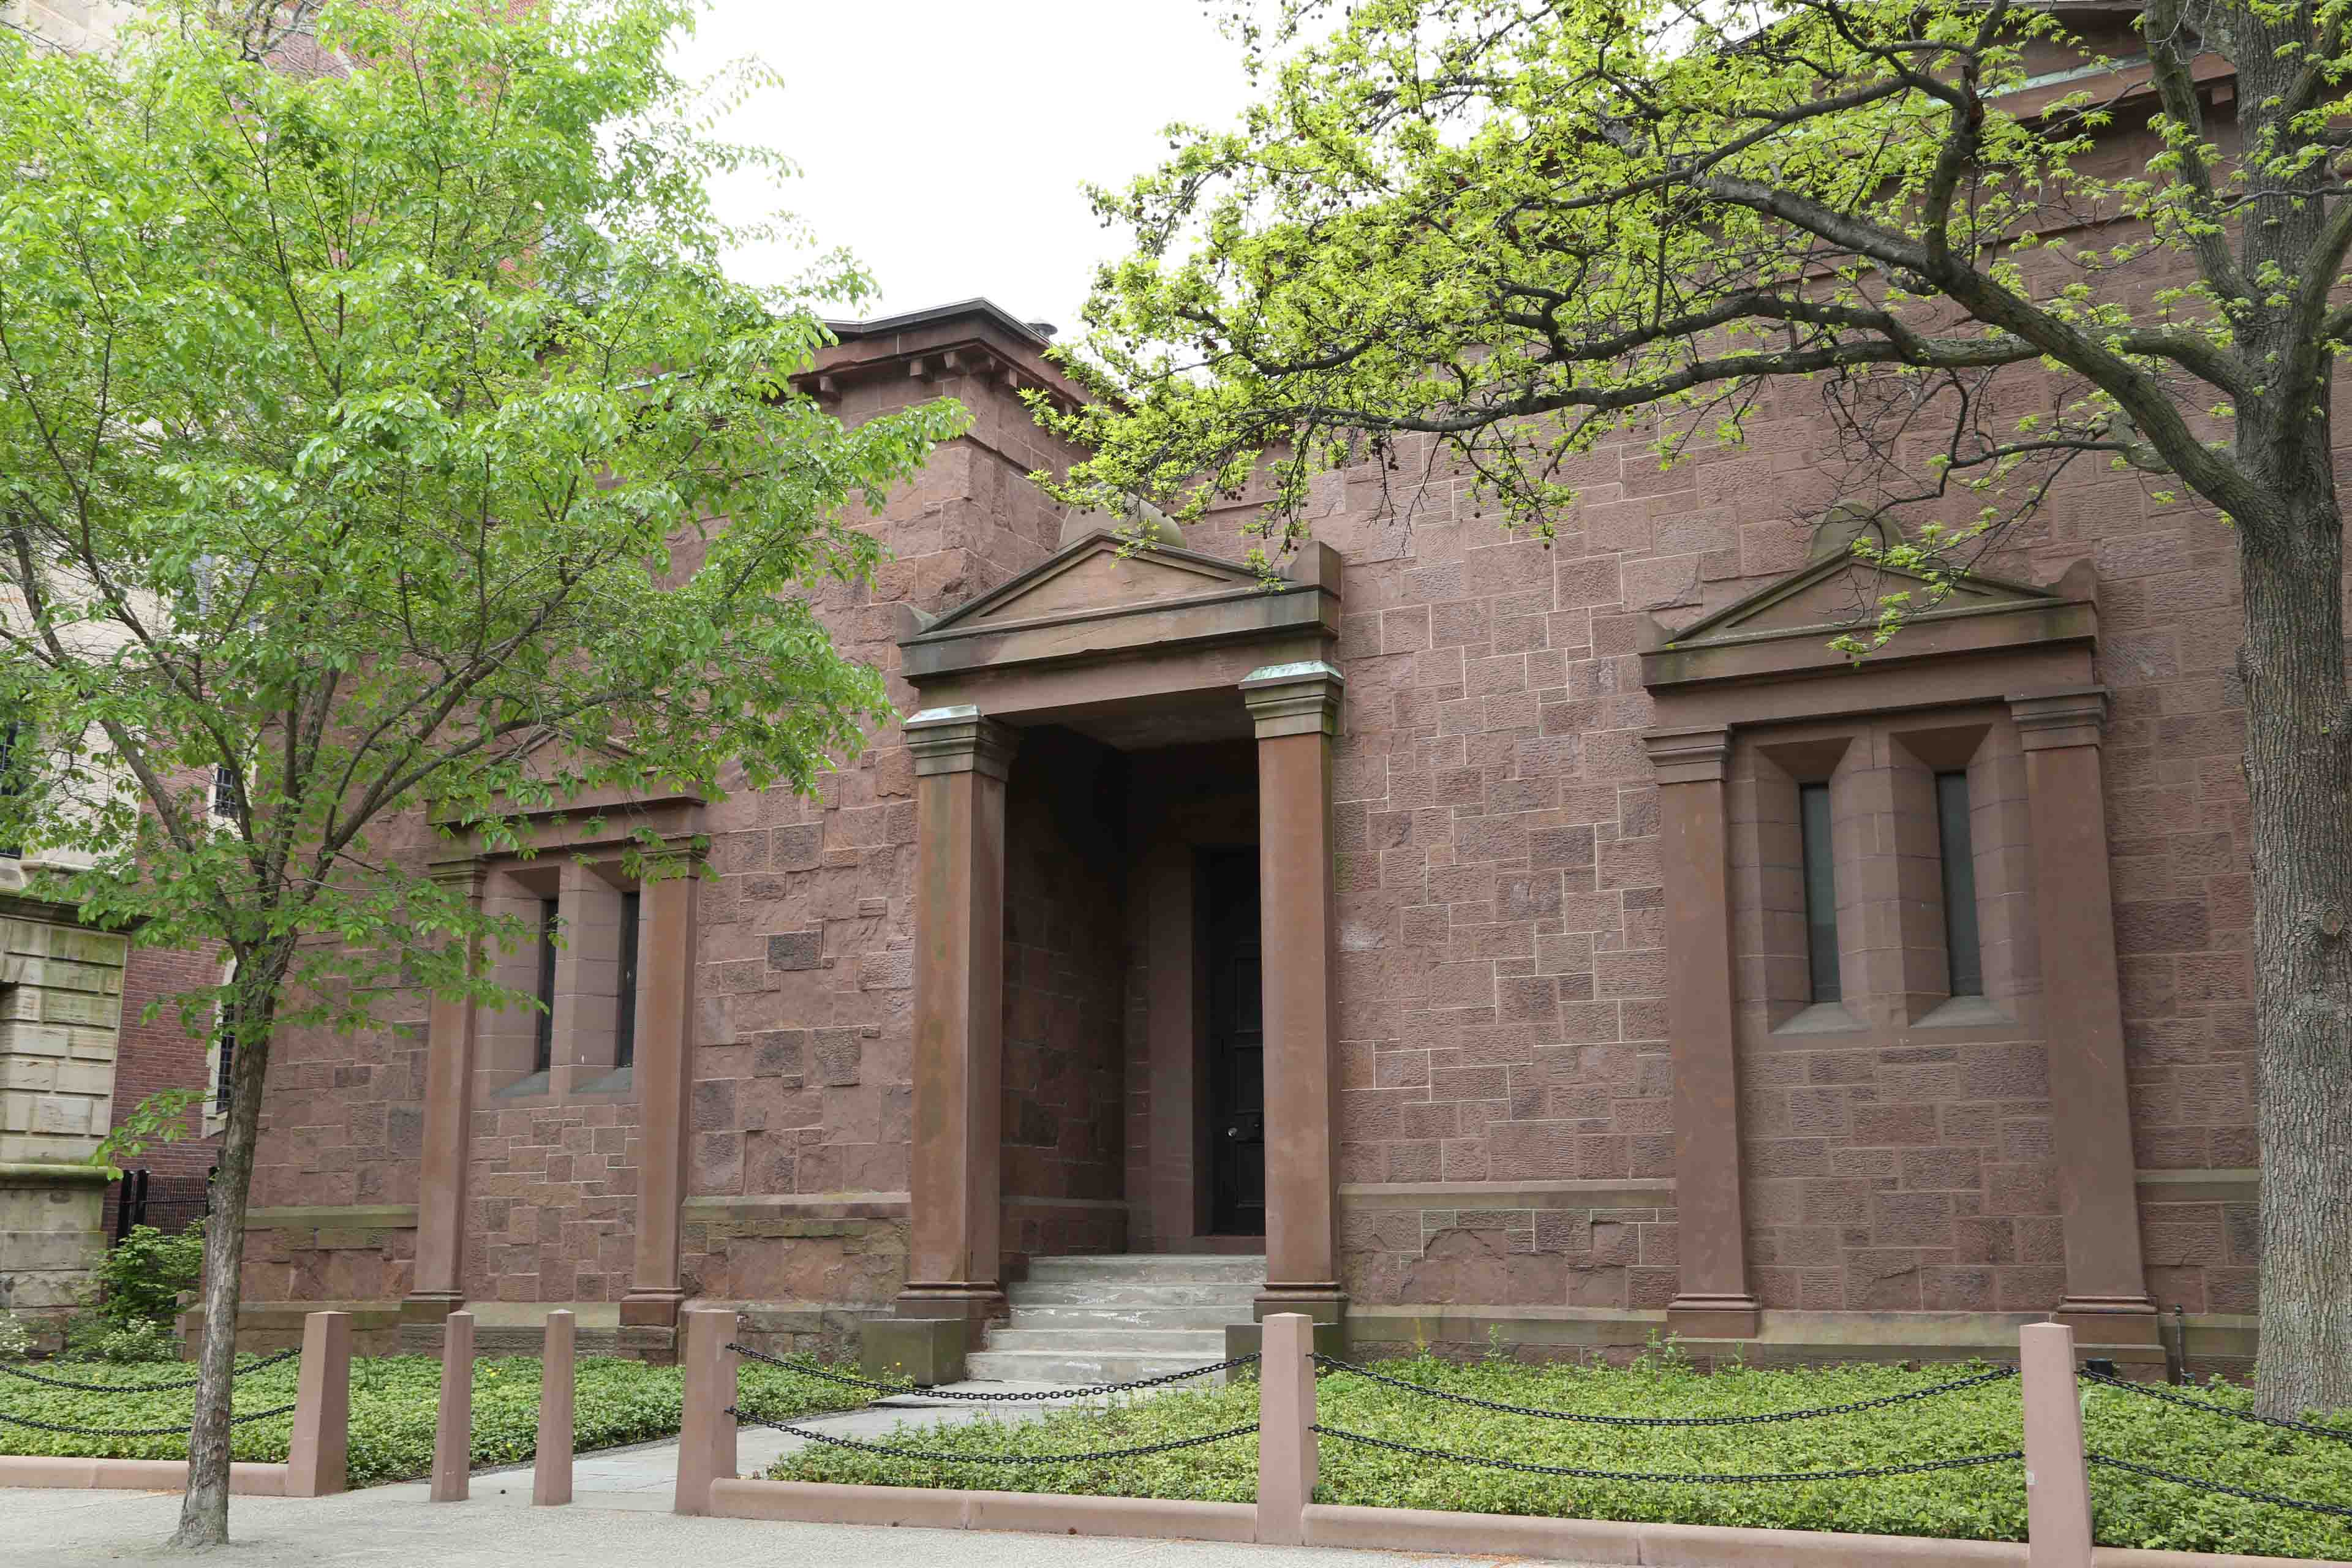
{"x": 393, "y": 1404}
{"x": 1979, "y": 1503}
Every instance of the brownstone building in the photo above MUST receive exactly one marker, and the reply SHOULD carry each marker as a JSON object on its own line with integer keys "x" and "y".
{"x": 1472, "y": 937}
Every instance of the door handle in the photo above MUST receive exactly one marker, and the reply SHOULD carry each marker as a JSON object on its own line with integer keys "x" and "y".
{"x": 1233, "y": 1132}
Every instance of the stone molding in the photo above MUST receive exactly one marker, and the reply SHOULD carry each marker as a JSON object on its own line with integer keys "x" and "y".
{"x": 1698, "y": 755}
{"x": 1300, "y": 699}
{"x": 2077, "y": 717}
{"x": 959, "y": 740}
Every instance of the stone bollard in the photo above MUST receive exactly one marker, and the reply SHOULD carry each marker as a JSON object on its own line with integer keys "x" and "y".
{"x": 1285, "y": 1409}
{"x": 453, "y": 1433}
{"x": 317, "y": 1456}
{"x": 706, "y": 1438}
{"x": 2057, "y": 1479}
{"x": 551, "y": 1472}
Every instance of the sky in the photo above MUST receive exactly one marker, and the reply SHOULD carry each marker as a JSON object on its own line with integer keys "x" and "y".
{"x": 945, "y": 141}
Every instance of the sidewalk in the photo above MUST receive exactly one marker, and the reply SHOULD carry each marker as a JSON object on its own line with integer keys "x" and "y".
{"x": 620, "y": 1518}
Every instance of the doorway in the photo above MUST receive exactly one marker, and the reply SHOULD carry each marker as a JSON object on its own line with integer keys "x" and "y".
{"x": 1231, "y": 949}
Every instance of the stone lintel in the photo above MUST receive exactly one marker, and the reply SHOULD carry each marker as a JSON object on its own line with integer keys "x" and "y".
{"x": 960, "y": 740}
{"x": 1301, "y": 699}
{"x": 2046, "y": 720}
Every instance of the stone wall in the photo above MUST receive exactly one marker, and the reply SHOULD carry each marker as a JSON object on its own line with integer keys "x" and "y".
{"x": 1066, "y": 886}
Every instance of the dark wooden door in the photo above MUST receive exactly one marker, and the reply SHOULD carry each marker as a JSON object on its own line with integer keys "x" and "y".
{"x": 1237, "y": 1043}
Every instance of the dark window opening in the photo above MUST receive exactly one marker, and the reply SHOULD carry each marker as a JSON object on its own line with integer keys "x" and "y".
{"x": 1821, "y": 892}
{"x": 624, "y": 1017}
{"x": 12, "y": 781}
{"x": 1962, "y": 944}
{"x": 542, "y": 1049}
{"x": 224, "y": 1075}
{"x": 228, "y": 794}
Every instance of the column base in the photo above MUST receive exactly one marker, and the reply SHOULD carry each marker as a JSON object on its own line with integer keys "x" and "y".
{"x": 2108, "y": 1321}
{"x": 977, "y": 1302}
{"x": 429, "y": 1306}
{"x": 651, "y": 1309}
{"x": 1323, "y": 1303}
{"x": 1715, "y": 1317}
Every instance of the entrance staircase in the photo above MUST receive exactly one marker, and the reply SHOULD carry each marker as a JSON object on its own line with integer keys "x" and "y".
{"x": 1114, "y": 1318}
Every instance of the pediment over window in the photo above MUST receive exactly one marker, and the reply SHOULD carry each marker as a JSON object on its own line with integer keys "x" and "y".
{"x": 1784, "y": 629}
{"x": 1097, "y": 597}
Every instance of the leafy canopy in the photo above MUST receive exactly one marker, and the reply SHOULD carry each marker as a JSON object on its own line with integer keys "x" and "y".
{"x": 1502, "y": 231}
{"x": 389, "y": 435}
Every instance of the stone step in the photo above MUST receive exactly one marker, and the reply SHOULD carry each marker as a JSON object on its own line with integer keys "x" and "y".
{"x": 1116, "y": 1293}
{"x": 1202, "y": 1344}
{"x": 1056, "y": 1366}
{"x": 1207, "y": 1315}
{"x": 1154, "y": 1267}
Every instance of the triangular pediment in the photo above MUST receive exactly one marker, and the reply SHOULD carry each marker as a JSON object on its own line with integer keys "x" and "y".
{"x": 1845, "y": 591}
{"x": 1100, "y": 573}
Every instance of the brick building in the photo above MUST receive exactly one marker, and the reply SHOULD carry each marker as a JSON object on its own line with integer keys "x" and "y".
{"x": 1472, "y": 937}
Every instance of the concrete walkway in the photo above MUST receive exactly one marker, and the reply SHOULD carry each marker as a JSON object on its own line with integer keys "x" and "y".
{"x": 620, "y": 1518}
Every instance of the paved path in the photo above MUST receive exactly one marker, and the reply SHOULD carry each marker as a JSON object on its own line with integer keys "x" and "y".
{"x": 620, "y": 1519}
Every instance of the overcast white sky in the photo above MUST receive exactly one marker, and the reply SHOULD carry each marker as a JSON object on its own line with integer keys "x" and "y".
{"x": 944, "y": 142}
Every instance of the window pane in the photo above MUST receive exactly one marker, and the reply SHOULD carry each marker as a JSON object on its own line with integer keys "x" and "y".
{"x": 543, "y": 1056}
{"x": 1821, "y": 892}
{"x": 1961, "y": 939}
{"x": 624, "y": 1023}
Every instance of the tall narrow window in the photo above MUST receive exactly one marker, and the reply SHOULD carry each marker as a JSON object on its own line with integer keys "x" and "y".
{"x": 224, "y": 1075}
{"x": 624, "y": 1017}
{"x": 228, "y": 794}
{"x": 12, "y": 733}
{"x": 542, "y": 1052}
{"x": 1961, "y": 944}
{"x": 1821, "y": 892}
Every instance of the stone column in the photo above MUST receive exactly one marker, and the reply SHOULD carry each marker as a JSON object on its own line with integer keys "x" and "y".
{"x": 1297, "y": 710}
{"x": 961, "y": 757}
{"x": 1712, "y": 1300}
{"x": 663, "y": 1076}
{"x": 438, "y": 1286}
{"x": 2106, "y": 1298}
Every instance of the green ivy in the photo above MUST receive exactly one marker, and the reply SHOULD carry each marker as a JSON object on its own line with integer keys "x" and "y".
{"x": 394, "y": 1400}
{"x": 1983, "y": 1504}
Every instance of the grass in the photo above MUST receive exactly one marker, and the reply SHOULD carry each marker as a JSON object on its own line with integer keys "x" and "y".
{"x": 393, "y": 1403}
{"x": 1986, "y": 1503}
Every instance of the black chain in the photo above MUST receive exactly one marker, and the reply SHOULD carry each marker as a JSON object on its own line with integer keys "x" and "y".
{"x": 1166, "y": 1447}
{"x": 2149, "y": 1391}
{"x": 2201, "y": 1484}
{"x": 137, "y": 1431}
{"x": 142, "y": 1387}
{"x": 1995, "y": 1376}
{"x": 1917, "y": 1467}
{"x": 909, "y": 1388}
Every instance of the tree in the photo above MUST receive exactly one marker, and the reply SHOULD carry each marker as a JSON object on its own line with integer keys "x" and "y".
{"x": 1501, "y": 230}
{"x": 389, "y": 435}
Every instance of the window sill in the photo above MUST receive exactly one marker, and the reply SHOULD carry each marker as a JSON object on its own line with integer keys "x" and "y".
{"x": 621, "y": 1080}
{"x": 523, "y": 1089}
{"x": 1822, "y": 1018}
{"x": 1959, "y": 1012}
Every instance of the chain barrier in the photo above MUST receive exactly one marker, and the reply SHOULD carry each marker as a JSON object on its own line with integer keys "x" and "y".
{"x": 1917, "y": 1467}
{"x": 1995, "y": 1376}
{"x": 1168, "y": 1447}
{"x": 1037, "y": 1394}
{"x": 2150, "y": 1391}
{"x": 2201, "y": 1484}
{"x": 143, "y": 1387}
{"x": 139, "y": 1431}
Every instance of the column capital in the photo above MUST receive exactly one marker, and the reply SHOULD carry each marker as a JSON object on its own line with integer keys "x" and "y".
{"x": 1691, "y": 755}
{"x": 960, "y": 740}
{"x": 468, "y": 877}
{"x": 1300, "y": 699}
{"x": 2076, "y": 716}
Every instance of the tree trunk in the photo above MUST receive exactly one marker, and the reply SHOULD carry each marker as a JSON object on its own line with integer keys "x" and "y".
{"x": 203, "y": 1511}
{"x": 2299, "y": 778}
